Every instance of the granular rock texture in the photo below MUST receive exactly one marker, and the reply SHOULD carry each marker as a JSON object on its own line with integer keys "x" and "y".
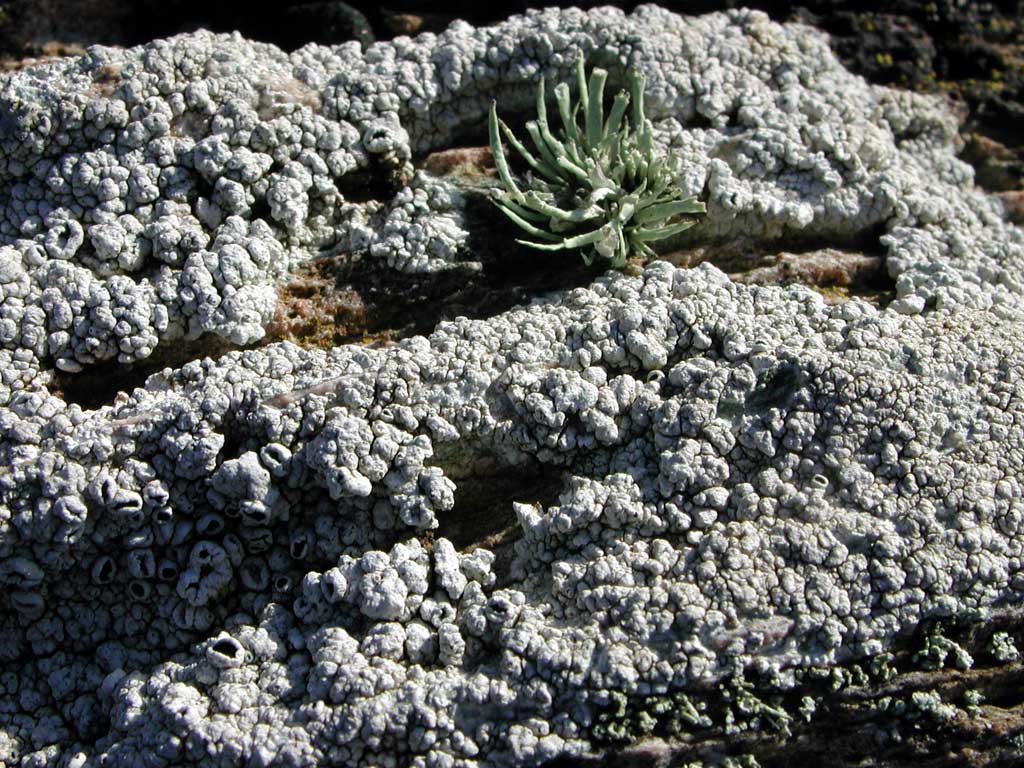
{"x": 236, "y": 564}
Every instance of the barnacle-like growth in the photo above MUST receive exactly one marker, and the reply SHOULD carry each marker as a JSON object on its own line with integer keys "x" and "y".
{"x": 598, "y": 185}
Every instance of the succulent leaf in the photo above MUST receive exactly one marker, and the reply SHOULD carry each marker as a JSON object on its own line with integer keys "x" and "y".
{"x": 518, "y": 146}
{"x": 524, "y": 224}
{"x": 604, "y": 169}
{"x": 595, "y": 112}
{"x": 611, "y": 128}
{"x": 547, "y": 153}
{"x": 636, "y": 87}
{"x": 578, "y": 215}
{"x": 577, "y": 241}
{"x": 566, "y": 113}
{"x": 581, "y": 83}
{"x": 646, "y": 235}
{"x": 499, "y": 154}
{"x": 660, "y": 211}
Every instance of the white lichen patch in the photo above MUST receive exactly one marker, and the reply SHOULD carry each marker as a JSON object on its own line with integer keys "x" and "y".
{"x": 236, "y": 562}
{"x": 169, "y": 202}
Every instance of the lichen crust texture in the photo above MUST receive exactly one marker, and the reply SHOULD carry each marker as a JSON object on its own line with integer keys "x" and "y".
{"x": 244, "y": 562}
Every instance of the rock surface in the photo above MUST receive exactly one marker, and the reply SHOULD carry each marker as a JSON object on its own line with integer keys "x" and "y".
{"x": 242, "y": 563}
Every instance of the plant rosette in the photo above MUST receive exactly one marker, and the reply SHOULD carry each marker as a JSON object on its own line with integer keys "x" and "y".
{"x": 599, "y": 185}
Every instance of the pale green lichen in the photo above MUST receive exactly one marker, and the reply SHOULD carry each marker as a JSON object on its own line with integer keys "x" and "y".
{"x": 881, "y": 667}
{"x": 600, "y": 184}
{"x": 738, "y": 761}
{"x": 930, "y": 704}
{"x": 746, "y": 710}
{"x": 626, "y": 719}
{"x": 973, "y": 700}
{"x": 940, "y": 652}
{"x": 1002, "y": 648}
{"x": 920, "y": 704}
{"x": 808, "y": 706}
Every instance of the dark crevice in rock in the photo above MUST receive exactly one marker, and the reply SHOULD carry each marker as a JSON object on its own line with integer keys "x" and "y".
{"x": 469, "y": 136}
{"x": 483, "y": 515}
{"x": 99, "y": 384}
{"x": 364, "y": 186}
{"x": 776, "y": 388}
{"x": 353, "y": 298}
{"x": 839, "y": 268}
{"x": 836, "y": 274}
{"x": 261, "y": 211}
{"x": 234, "y": 441}
{"x": 866, "y": 240}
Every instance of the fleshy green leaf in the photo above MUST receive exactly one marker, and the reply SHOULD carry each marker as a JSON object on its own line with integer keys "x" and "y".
{"x": 662, "y": 211}
{"x": 575, "y": 170}
{"x": 608, "y": 243}
{"x": 602, "y": 173}
{"x": 549, "y": 173}
{"x": 499, "y": 154}
{"x": 636, "y": 88}
{"x": 557, "y": 147}
{"x": 578, "y": 215}
{"x": 598, "y": 180}
{"x": 565, "y": 112}
{"x": 524, "y": 224}
{"x": 587, "y": 238}
{"x": 595, "y": 108}
{"x": 521, "y": 210}
{"x": 581, "y": 82}
{"x": 645, "y": 235}
{"x": 611, "y": 128}
{"x": 644, "y": 250}
{"x": 626, "y": 209}
{"x": 545, "y": 151}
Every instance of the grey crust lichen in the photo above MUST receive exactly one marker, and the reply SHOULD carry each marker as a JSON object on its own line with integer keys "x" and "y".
{"x": 239, "y": 563}
{"x": 729, "y": 500}
{"x": 159, "y": 193}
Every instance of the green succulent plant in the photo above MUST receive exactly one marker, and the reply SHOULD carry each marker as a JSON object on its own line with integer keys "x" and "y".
{"x": 598, "y": 184}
